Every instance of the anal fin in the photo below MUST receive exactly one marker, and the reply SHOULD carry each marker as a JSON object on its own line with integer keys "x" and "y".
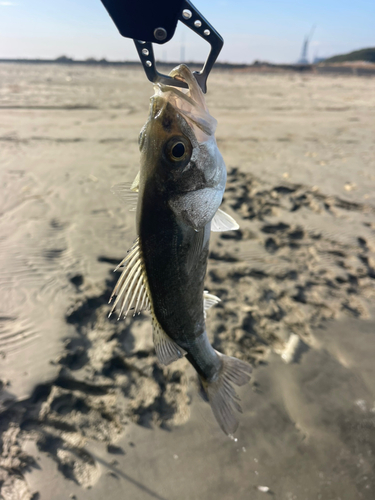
{"x": 166, "y": 349}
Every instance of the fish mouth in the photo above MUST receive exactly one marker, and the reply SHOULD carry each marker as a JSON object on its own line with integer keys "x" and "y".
{"x": 183, "y": 73}
{"x": 190, "y": 102}
{"x": 192, "y": 94}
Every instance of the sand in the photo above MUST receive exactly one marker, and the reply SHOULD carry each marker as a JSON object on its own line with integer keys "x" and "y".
{"x": 86, "y": 409}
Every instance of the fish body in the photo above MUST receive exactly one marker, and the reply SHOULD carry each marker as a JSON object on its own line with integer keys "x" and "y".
{"x": 180, "y": 188}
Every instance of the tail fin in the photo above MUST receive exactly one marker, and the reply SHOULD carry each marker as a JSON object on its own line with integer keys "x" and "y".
{"x": 221, "y": 395}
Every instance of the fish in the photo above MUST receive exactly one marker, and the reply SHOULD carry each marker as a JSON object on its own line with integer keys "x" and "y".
{"x": 177, "y": 194}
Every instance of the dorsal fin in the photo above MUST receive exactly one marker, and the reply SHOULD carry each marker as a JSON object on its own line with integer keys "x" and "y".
{"x": 223, "y": 222}
{"x": 131, "y": 290}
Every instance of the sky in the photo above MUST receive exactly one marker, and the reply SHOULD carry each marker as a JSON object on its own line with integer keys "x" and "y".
{"x": 266, "y": 30}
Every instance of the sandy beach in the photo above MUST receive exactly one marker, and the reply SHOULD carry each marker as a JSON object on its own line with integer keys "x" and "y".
{"x": 86, "y": 410}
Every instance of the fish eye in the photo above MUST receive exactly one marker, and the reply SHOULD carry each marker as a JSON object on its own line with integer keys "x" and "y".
{"x": 178, "y": 150}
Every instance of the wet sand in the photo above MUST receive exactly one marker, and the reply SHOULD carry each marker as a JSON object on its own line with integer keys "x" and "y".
{"x": 86, "y": 409}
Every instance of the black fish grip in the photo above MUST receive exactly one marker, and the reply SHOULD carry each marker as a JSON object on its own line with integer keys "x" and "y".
{"x": 148, "y": 22}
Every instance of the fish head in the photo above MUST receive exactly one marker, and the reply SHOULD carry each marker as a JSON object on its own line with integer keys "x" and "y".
{"x": 166, "y": 141}
{"x": 179, "y": 154}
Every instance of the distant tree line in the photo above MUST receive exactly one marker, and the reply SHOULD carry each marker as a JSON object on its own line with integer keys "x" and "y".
{"x": 367, "y": 55}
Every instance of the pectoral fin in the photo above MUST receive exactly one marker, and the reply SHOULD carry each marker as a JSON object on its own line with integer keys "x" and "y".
{"x": 223, "y": 222}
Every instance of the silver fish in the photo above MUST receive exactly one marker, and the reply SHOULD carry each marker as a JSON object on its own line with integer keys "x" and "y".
{"x": 179, "y": 190}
